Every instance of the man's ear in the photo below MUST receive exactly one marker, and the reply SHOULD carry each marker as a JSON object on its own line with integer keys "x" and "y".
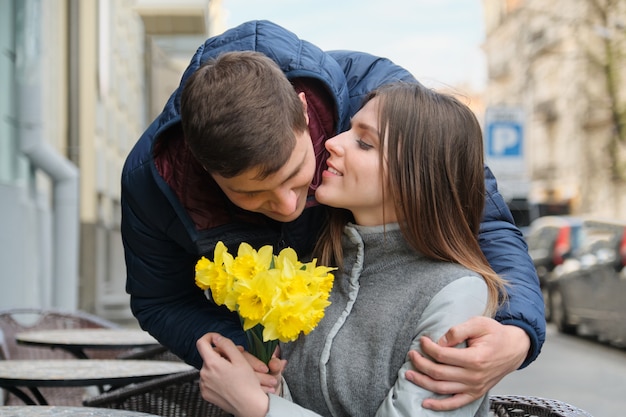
{"x": 304, "y": 106}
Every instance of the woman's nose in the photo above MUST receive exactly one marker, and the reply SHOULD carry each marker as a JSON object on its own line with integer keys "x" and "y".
{"x": 333, "y": 144}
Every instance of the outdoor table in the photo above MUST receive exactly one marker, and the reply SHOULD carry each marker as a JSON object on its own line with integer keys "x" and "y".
{"x": 76, "y": 341}
{"x": 55, "y": 411}
{"x": 18, "y": 374}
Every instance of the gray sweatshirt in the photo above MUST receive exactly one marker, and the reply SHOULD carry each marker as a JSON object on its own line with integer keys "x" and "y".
{"x": 353, "y": 363}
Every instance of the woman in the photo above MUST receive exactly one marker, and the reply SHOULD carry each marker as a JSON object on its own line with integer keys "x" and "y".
{"x": 407, "y": 184}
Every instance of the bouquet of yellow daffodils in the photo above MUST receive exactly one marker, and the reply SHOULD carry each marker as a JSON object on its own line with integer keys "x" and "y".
{"x": 277, "y": 297}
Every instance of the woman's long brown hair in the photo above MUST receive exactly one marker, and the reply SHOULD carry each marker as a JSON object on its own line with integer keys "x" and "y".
{"x": 435, "y": 172}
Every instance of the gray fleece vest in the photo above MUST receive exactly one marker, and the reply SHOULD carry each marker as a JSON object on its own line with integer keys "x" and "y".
{"x": 347, "y": 365}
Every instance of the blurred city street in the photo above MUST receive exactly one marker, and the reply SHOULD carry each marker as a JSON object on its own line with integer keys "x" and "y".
{"x": 580, "y": 372}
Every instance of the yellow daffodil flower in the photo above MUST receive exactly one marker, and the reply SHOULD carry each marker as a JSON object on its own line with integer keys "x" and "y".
{"x": 277, "y": 297}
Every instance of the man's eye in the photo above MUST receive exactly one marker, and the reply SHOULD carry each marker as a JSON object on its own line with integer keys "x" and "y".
{"x": 363, "y": 145}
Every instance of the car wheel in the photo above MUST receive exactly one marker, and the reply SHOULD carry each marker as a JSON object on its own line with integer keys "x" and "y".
{"x": 547, "y": 302}
{"x": 559, "y": 312}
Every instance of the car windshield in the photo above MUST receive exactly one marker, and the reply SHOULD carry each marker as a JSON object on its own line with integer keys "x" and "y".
{"x": 595, "y": 236}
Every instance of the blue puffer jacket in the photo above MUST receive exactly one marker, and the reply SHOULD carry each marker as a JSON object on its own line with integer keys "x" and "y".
{"x": 162, "y": 242}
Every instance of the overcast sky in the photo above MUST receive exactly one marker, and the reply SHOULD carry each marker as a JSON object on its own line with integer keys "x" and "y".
{"x": 439, "y": 41}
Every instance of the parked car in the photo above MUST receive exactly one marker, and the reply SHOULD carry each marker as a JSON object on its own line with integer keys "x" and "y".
{"x": 551, "y": 240}
{"x": 588, "y": 290}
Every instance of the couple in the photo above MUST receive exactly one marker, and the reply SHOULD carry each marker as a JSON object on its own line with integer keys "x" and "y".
{"x": 173, "y": 210}
{"x": 408, "y": 188}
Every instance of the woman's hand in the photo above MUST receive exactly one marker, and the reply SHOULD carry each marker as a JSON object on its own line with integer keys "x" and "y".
{"x": 493, "y": 351}
{"x": 277, "y": 366}
{"x": 228, "y": 380}
{"x": 270, "y": 377}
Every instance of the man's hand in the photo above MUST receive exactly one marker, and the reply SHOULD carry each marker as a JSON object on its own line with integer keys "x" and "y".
{"x": 493, "y": 351}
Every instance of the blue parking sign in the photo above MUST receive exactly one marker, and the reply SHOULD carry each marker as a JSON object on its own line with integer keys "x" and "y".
{"x": 504, "y": 139}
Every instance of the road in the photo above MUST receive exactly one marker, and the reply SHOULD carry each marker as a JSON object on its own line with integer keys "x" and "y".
{"x": 577, "y": 371}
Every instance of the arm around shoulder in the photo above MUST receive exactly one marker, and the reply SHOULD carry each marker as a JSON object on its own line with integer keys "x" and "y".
{"x": 507, "y": 252}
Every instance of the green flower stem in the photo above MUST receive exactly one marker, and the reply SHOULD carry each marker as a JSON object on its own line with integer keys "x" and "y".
{"x": 256, "y": 346}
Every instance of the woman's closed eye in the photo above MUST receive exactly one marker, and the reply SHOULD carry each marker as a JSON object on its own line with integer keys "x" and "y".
{"x": 363, "y": 145}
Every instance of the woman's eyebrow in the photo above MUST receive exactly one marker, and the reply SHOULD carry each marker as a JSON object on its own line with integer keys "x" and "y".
{"x": 366, "y": 127}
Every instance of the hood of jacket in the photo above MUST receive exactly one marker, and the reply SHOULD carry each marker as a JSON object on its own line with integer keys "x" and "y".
{"x": 156, "y": 197}
{"x": 296, "y": 58}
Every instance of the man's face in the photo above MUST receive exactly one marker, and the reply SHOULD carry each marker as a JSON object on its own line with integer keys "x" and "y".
{"x": 280, "y": 196}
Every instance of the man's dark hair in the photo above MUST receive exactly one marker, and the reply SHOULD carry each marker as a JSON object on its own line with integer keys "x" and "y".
{"x": 239, "y": 111}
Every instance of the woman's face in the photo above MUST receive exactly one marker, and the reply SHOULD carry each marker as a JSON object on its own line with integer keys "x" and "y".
{"x": 354, "y": 178}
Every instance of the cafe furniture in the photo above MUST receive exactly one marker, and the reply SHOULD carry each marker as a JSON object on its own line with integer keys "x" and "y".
{"x": 179, "y": 395}
{"x": 18, "y": 375}
{"x": 21, "y": 319}
{"x": 525, "y": 406}
{"x": 500, "y": 406}
{"x": 167, "y": 396}
{"x": 60, "y": 411}
{"x": 76, "y": 341}
{"x": 157, "y": 353}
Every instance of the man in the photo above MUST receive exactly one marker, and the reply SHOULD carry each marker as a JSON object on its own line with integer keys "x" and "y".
{"x": 237, "y": 159}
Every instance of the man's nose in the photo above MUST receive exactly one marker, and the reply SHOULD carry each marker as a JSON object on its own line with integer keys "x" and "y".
{"x": 285, "y": 203}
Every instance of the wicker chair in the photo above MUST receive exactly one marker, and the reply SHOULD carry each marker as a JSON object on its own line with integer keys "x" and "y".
{"x": 155, "y": 353}
{"x": 527, "y": 406}
{"x": 16, "y": 320}
{"x": 175, "y": 395}
{"x": 179, "y": 395}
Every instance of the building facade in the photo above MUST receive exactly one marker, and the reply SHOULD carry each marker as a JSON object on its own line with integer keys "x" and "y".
{"x": 564, "y": 64}
{"x": 81, "y": 80}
